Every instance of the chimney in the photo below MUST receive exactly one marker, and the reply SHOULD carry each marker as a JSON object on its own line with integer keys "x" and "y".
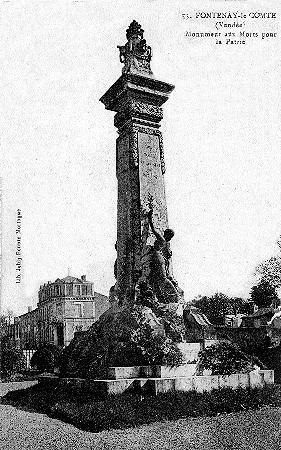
{"x": 83, "y": 277}
{"x": 29, "y": 309}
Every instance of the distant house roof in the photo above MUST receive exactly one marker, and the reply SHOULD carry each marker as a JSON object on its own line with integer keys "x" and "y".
{"x": 198, "y": 316}
{"x": 261, "y": 312}
{"x": 201, "y": 319}
{"x": 70, "y": 279}
{"x": 258, "y": 318}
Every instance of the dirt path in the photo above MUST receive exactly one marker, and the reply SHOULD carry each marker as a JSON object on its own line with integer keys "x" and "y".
{"x": 6, "y": 387}
{"x": 253, "y": 430}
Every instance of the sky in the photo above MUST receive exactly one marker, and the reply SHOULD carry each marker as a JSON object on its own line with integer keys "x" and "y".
{"x": 221, "y": 131}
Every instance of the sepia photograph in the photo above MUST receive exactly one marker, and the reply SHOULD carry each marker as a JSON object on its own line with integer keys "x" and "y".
{"x": 140, "y": 224}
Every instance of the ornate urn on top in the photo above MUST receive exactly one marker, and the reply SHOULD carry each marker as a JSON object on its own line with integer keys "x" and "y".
{"x": 135, "y": 54}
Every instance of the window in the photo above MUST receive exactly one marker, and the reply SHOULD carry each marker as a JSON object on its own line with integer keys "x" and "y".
{"x": 84, "y": 290}
{"x": 78, "y": 289}
{"x": 68, "y": 289}
{"x": 78, "y": 309}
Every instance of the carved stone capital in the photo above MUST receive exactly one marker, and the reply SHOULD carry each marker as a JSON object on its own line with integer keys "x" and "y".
{"x": 146, "y": 109}
{"x": 131, "y": 87}
{"x": 138, "y": 112}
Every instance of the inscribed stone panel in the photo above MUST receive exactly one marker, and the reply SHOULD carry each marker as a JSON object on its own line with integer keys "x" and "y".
{"x": 151, "y": 178}
{"x": 124, "y": 211}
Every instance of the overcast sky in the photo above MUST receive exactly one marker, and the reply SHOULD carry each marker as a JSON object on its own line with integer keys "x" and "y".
{"x": 221, "y": 131}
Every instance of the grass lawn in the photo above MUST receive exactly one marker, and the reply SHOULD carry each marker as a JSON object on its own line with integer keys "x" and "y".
{"x": 248, "y": 430}
{"x": 131, "y": 410}
{"x": 245, "y": 430}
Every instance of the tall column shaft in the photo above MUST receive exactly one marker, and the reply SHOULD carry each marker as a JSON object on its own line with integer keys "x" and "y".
{"x": 137, "y": 97}
{"x": 140, "y": 168}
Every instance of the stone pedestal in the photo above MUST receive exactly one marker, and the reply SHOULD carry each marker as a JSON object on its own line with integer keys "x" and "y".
{"x": 138, "y": 329}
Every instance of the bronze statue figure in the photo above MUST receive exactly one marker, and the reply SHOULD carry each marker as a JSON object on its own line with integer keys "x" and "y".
{"x": 161, "y": 279}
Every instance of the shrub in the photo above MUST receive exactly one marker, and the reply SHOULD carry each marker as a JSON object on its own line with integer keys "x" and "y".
{"x": 46, "y": 358}
{"x": 12, "y": 360}
{"x": 252, "y": 341}
{"x": 224, "y": 358}
{"x": 136, "y": 336}
{"x": 156, "y": 349}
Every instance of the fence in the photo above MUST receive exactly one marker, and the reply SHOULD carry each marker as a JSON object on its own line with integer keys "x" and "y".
{"x": 28, "y": 355}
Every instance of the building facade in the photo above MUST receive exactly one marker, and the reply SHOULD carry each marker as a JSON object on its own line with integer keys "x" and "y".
{"x": 64, "y": 306}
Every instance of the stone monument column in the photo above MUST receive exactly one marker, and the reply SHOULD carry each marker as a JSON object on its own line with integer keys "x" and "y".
{"x": 137, "y": 97}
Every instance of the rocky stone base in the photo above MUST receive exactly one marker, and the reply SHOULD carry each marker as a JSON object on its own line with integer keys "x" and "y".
{"x": 128, "y": 336}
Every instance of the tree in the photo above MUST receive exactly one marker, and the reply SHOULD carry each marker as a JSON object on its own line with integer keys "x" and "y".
{"x": 12, "y": 358}
{"x": 5, "y": 320}
{"x": 270, "y": 271}
{"x": 7, "y": 316}
{"x": 264, "y": 294}
{"x": 219, "y": 305}
{"x": 239, "y": 306}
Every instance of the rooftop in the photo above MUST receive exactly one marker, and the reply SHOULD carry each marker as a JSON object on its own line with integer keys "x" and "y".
{"x": 69, "y": 279}
{"x": 261, "y": 312}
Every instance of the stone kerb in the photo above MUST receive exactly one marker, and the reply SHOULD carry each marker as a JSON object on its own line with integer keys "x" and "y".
{"x": 206, "y": 383}
{"x": 228, "y": 381}
{"x": 256, "y": 379}
{"x": 268, "y": 376}
{"x": 184, "y": 384}
{"x": 210, "y": 342}
{"x": 244, "y": 380}
{"x": 164, "y": 385}
{"x": 114, "y": 386}
{"x": 48, "y": 379}
{"x": 117, "y": 373}
{"x": 156, "y": 385}
{"x": 184, "y": 370}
